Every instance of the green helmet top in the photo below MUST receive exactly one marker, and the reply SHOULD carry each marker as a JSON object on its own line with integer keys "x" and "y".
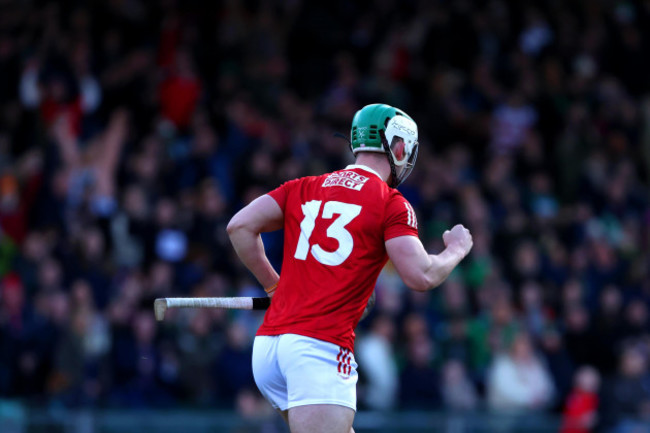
{"x": 385, "y": 129}
{"x": 366, "y": 125}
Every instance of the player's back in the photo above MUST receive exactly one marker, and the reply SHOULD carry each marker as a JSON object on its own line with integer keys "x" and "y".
{"x": 335, "y": 228}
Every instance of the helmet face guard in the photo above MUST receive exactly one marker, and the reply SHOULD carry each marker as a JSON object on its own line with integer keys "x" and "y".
{"x": 389, "y": 130}
{"x": 401, "y": 147}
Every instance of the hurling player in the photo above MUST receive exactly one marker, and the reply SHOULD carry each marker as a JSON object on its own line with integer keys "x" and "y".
{"x": 340, "y": 229}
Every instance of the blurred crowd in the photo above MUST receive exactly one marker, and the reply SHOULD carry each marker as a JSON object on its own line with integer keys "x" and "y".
{"x": 131, "y": 131}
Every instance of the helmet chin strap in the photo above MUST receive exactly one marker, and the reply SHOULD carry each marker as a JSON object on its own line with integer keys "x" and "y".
{"x": 389, "y": 155}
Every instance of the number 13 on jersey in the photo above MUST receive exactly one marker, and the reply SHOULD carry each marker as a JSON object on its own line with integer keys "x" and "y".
{"x": 347, "y": 212}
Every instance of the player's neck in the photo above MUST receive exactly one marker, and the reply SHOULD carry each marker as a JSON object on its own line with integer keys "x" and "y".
{"x": 376, "y": 161}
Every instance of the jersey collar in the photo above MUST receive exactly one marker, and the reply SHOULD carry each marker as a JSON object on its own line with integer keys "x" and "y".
{"x": 363, "y": 167}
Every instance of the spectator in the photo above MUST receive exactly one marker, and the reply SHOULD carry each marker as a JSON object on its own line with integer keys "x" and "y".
{"x": 234, "y": 359}
{"x": 137, "y": 366}
{"x": 518, "y": 380}
{"x": 419, "y": 381}
{"x": 635, "y": 325}
{"x": 534, "y": 315}
{"x": 375, "y": 351}
{"x": 458, "y": 392}
{"x": 581, "y": 408}
{"x": 180, "y": 91}
{"x": 80, "y": 359}
{"x": 453, "y": 341}
{"x": 559, "y": 362}
{"x": 581, "y": 341}
{"x": 511, "y": 122}
{"x": 198, "y": 351}
{"x": 18, "y": 192}
{"x": 626, "y": 398}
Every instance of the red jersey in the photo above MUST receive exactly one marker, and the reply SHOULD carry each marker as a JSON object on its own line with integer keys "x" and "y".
{"x": 579, "y": 404}
{"x": 335, "y": 227}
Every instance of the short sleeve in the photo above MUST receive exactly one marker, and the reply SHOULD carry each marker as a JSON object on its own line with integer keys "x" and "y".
{"x": 400, "y": 219}
{"x": 280, "y": 193}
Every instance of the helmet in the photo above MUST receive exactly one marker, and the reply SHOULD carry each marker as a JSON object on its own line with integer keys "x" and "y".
{"x": 389, "y": 130}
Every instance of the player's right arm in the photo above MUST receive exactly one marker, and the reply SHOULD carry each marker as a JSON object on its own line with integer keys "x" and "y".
{"x": 262, "y": 215}
{"x": 422, "y": 271}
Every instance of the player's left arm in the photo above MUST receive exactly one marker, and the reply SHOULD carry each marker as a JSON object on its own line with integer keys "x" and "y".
{"x": 262, "y": 215}
{"x": 419, "y": 270}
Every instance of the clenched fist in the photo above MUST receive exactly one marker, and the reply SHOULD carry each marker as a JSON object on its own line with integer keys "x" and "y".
{"x": 458, "y": 239}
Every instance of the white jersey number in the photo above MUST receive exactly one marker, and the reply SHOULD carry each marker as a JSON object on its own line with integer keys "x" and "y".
{"x": 346, "y": 213}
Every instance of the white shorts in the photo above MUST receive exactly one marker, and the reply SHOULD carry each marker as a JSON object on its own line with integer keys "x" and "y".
{"x": 293, "y": 370}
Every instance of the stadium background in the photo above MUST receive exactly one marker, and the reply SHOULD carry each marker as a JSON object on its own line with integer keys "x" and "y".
{"x": 130, "y": 131}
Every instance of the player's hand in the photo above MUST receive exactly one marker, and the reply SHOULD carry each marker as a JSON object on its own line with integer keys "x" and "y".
{"x": 458, "y": 239}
